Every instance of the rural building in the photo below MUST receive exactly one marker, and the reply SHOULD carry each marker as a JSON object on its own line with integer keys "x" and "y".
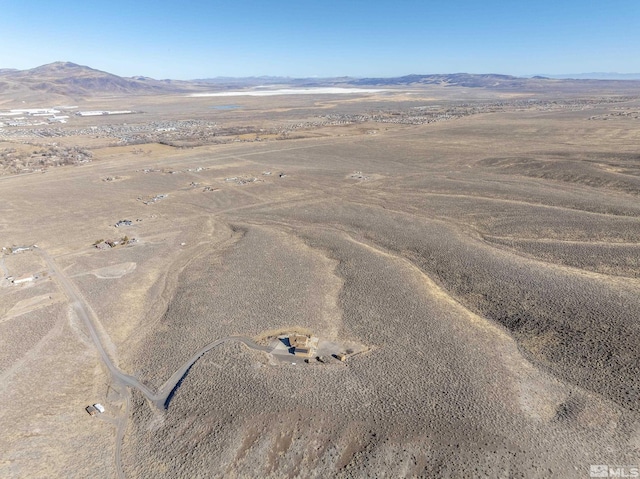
{"x": 303, "y": 345}
{"x": 99, "y": 407}
{"x": 341, "y": 356}
{"x": 59, "y": 119}
{"x": 91, "y": 410}
{"x": 23, "y": 279}
{"x": 102, "y": 112}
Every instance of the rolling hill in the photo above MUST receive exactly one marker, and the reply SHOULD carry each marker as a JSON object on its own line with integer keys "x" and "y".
{"x": 69, "y": 80}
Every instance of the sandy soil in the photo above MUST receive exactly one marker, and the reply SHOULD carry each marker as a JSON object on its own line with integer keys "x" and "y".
{"x": 487, "y": 264}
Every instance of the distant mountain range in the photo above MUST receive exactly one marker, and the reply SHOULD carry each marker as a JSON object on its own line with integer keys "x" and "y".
{"x": 595, "y": 76}
{"x": 468, "y": 80}
{"x": 65, "y": 80}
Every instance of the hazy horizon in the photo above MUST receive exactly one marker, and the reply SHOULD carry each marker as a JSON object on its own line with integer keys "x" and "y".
{"x": 575, "y": 75}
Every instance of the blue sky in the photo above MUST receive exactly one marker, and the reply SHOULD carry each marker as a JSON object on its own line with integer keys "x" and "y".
{"x": 199, "y": 39}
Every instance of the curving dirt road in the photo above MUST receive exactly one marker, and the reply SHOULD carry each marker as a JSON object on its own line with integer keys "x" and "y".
{"x": 162, "y": 397}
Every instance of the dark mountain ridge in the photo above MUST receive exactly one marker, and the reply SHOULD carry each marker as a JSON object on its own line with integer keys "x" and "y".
{"x": 70, "y": 80}
{"x": 73, "y": 80}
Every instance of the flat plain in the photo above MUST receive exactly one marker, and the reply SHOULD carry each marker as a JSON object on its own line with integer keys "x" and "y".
{"x": 486, "y": 263}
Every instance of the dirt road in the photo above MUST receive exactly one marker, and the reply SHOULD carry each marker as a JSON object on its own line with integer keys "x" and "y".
{"x": 121, "y": 381}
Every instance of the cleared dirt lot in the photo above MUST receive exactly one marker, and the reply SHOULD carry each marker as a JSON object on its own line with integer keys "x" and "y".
{"x": 488, "y": 263}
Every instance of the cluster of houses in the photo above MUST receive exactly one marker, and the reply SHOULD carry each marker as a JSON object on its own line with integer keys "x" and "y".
{"x": 22, "y": 279}
{"x": 37, "y": 116}
{"x": 24, "y": 116}
{"x": 305, "y": 346}
{"x": 108, "y": 244}
{"x": 155, "y": 199}
{"x": 103, "y": 244}
{"x": 104, "y": 112}
{"x": 28, "y": 278}
{"x": 17, "y": 249}
{"x": 97, "y": 408}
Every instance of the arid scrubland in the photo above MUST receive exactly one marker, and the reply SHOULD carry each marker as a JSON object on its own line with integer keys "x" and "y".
{"x": 487, "y": 262}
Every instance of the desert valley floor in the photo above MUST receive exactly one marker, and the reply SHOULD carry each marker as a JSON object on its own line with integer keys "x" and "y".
{"x": 483, "y": 271}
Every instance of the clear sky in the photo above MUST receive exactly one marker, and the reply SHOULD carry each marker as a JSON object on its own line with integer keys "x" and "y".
{"x": 199, "y": 39}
